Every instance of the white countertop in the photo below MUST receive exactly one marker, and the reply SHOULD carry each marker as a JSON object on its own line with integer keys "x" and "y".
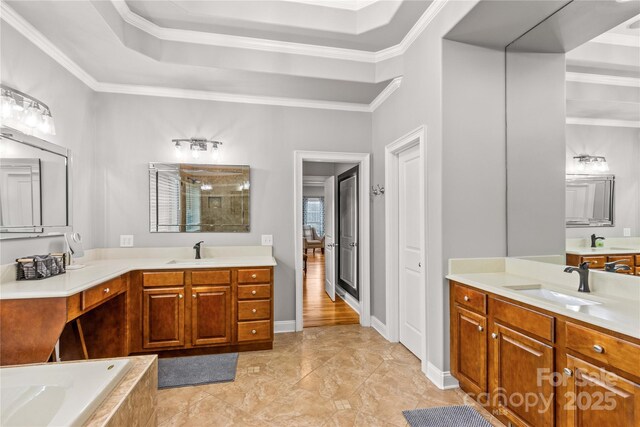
{"x": 99, "y": 271}
{"x": 612, "y": 246}
{"x": 604, "y": 251}
{"x": 619, "y": 297}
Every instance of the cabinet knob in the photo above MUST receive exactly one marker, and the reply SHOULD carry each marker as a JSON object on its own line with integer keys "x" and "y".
{"x": 466, "y": 298}
{"x": 568, "y": 372}
{"x": 107, "y": 290}
{"x": 480, "y": 328}
{"x": 180, "y": 296}
{"x": 253, "y": 292}
{"x": 253, "y": 276}
{"x": 254, "y": 311}
{"x": 598, "y": 349}
{"x": 494, "y": 335}
{"x": 195, "y": 295}
{"x": 253, "y": 331}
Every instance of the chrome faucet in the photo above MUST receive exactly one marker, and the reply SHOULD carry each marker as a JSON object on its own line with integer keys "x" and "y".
{"x": 583, "y": 271}
{"x": 613, "y": 266}
{"x": 197, "y": 248}
{"x": 594, "y": 239}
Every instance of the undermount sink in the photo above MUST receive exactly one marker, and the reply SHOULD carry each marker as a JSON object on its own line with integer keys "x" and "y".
{"x": 556, "y": 297}
{"x": 622, "y": 249}
{"x": 192, "y": 261}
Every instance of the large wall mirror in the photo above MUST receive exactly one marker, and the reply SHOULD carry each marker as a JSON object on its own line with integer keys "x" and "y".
{"x": 196, "y": 198}
{"x": 35, "y": 190}
{"x": 573, "y": 128}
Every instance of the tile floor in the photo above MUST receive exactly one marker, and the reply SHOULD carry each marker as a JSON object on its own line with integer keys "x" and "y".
{"x": 328, "y": 376}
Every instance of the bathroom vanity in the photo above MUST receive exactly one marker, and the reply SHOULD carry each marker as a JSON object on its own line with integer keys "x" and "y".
{"x": 536, "y": 353}
{"x": 118, "y": 307}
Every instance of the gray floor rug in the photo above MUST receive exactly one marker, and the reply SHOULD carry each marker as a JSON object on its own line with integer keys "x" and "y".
{"x": 446, "y": 416}
{"x": 196, "y": 370}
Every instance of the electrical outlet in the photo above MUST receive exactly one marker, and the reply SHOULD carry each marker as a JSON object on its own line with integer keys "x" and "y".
{"x": 126, "y": 240}
{"x": 267, "y": 240}
{"x": 626, "y": 232}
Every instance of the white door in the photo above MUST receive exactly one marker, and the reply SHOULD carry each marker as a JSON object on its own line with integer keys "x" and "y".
{"x": 411, "y": 284}
{"x": 329, "y": 238}
{"x": 348, "y": 239}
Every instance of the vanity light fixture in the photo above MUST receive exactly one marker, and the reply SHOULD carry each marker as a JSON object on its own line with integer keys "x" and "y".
{"x": 197, "y": 146}
{"x": 24, "y": 112}
{"x": 206, "y": 187}
{"x": 589, "y": 164}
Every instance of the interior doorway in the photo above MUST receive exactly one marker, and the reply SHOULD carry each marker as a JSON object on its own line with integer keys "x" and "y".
{"x": 405, "y": 224}
{"x": 321, "y": 297}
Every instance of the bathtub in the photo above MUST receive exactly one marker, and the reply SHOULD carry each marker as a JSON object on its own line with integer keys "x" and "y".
{"x": 57, "y": 394}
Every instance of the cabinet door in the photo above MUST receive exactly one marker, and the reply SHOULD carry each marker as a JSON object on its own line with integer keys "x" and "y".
{"x": 595, "y": 397}
{"x": 163, "y": 318}
{"x": 520, "y": 384}
{"x": 211, "y": 315}
{"x": 469, "y": 350}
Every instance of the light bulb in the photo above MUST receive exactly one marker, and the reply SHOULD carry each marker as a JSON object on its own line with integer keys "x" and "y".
{"x": 195, "y": 153}
{"x": 178, "y": 149}
{"x": 8, "y": 104}
{"x": 33, "y": 116}
{"x": 47, "y": 125}
{"x": 215, "y": 152}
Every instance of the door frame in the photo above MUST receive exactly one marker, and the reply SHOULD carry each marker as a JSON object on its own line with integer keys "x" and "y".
{"x": 355, "y": 172}
{"x": 392, "y": 188}
{"x": 364, "y": 162}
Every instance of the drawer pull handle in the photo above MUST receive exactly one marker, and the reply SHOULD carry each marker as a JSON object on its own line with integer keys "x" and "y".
{"x": 107, "y": 290}
{"x": 253, "y": 292}
{"x": 480, "y": 328}
{"x": 568, "y": 372}
{"x": 253, "y": 276}
{"x": 466, "y": 298}
{"x": 253, "y": 331}
{"x": 254, "y": 311}
{"x": 598, "y": 349}
{"x": 180, "y": 296}
{"x": 494, "y": 336}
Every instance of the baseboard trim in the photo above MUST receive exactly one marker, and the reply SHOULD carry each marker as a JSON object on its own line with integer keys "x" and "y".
{"x": 349, "y": 299}
{"x": 282, "y": 326}
{"x": 380, "y": 327}
{"x": 442, "y": 380}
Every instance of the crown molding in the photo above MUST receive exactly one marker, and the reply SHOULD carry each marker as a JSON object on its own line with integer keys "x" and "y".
{"x": 275, "y": 46}
{"x": 12, "y": 18}
{"x": 602, "y": 79}
{"x": 618, "y": 39}
{"x": 603, "y": 122}
{"x": 352, "y": 5}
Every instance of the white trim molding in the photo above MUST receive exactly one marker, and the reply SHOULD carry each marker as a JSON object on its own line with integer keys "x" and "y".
{"x": 442, "y": 379}
{"x": 601, "y": 79}
{"x": 380, "y": 327}
{"x": 602, "y": 122}
{"x": 627, "y": 40}
{"x": 385, "y": 94}
{"x": 348, "y": 298}
{"x": 284, "y": 326}
{"x": 364, "y": 243}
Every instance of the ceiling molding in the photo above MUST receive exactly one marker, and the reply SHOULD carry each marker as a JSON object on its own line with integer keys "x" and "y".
{"x": 352, "y": 5}
{"x": 224, "y": 40}
{"x": 618, "y": 39}
{"x": 602, "y": 79}
{"x": 313, "y": 180}
{"x": 602, "y": 122}
{"x": 12, "y": 18}
{"x": 386, "y": 93}
{"x": 21, "y": 25}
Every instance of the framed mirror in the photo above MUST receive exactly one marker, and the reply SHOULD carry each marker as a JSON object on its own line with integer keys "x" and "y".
{"x": 35, "y": 188}
{"x": 193, "y": 198}
{"x": 590, "y": 200}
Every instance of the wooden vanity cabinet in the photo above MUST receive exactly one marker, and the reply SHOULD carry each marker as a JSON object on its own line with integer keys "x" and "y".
{"x": 597, "y": 262}
{"x": 163, "y": 317}
{"x": 575, "y": 374}
{"x": 211, "y": 315}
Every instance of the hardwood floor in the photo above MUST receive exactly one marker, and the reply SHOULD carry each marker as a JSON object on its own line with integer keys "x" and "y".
{"x": 318, "y": 309}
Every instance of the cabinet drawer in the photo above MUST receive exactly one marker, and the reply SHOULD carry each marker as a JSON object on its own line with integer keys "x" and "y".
{"x": 637, "y": 271}
{"x": 255, "y": 275}
{"x": 254, "y": 331}
{"x": 163, "y": 278}
{"x": 95, "y": 295}
{"x": 613, "y": 351}
{"x": 216, "y": 277}
{"x": 254, "y": 310}
{"x": 638, "y": 260}
{"x": 254, "y": 291}
{"x": 595, "y": 261}
{"x": 522, "y": 318}
{"x": 470, "y": 298}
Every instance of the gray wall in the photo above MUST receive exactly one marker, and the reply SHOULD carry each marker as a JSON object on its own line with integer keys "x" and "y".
{"x": 133, "y": 131}
{"x": 536, "y": 153}
{"x": 312, "y": 191}
{"x": 26, "y": 68}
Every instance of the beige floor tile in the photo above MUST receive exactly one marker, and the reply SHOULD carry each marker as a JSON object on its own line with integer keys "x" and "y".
{"x": 212, "y": 411}
{"x": 174, "y": 400}
{"x": 298, "y": 408}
